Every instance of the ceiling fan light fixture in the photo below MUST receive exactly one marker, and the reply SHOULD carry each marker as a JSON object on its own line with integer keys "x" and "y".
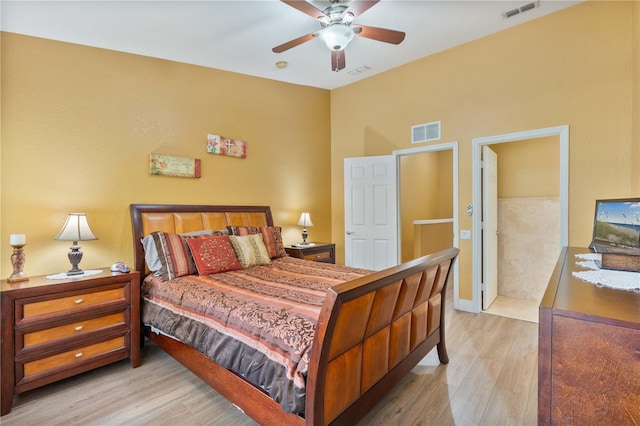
{"x": 348, "y": 17}
{"x": 336, "y": 37}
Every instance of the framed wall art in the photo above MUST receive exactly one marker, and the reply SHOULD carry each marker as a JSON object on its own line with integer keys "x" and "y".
{"x": 169, "y": 165}
{"x": 222, "y": 145}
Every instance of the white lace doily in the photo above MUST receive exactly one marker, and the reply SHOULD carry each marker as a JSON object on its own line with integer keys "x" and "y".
{"x": 623, "y": 280}
{"x": 63, "y": 275}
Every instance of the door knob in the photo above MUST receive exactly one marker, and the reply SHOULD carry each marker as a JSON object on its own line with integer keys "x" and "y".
{"x": 350, "y": 232}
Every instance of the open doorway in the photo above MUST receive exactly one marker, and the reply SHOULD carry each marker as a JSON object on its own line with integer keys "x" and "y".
{"x": 527, "y": 225}
{"x": 428, "y": 202}
{"x": 362, "y": 168}
{"x": 426, "y": 210}
{"x": 523, "y": 203}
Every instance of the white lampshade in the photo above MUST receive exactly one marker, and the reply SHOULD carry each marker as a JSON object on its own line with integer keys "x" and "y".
{"x": 337, "y": 36}
{"x": 305, "y": 220}
{"x": 76, "y": 228}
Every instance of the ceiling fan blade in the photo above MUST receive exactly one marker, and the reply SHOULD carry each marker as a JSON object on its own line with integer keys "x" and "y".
{"x": 359, "y": 7}
{"x": 305, "y": 7}
{"x": 295, "y": 42}
{"x": 379, "y": 34}
{"x": 337, "y": 60}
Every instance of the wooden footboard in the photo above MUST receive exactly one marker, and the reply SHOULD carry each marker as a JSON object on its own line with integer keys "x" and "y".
{"x": 372, "y": 331}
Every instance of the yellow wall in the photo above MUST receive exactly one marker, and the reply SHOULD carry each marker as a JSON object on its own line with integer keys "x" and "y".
{"x": 431, "y": 237}
{"x": 425, "y": 193}
{"x": 572, "y": 67}
{"x": 79, "y": 123}
{"x": 635, "y": 114}
{"x": 529, "y": 168}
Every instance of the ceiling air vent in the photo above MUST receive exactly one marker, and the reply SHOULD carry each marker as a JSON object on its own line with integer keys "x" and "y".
{"x": 521, "y": 9}
{"x": 425, "y": 132}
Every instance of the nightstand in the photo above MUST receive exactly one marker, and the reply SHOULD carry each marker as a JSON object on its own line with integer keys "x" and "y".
{"x": 54, "y": 329}
{"x": 319, "y": 252}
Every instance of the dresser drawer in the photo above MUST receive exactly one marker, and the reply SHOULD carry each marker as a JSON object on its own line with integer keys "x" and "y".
{"x": 73, "y": 356}
{"x": 324, "y": 256}
{"x": 30, "y": 310}
{"x": 74, "y": 329}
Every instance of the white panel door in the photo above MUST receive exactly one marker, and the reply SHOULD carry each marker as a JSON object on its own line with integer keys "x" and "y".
{"x": 370, "y": 210}
{"x": 490, "y": 226}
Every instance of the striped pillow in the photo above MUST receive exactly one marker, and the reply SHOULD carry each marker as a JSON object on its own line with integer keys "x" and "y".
{"x": 271, "y": 236}
{"x": 175, "y": 254}
{"x": 250, "y": 250}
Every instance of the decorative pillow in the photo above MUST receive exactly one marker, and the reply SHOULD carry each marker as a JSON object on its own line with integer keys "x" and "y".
{"x": 151, "y": 253}
{"x": 213, "y": 254}
{"x": 250, "y": 250}
{"x": 175, "y": 254}
{"x": 271, "y": 236}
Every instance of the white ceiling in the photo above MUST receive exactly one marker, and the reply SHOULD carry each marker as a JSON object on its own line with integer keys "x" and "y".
{"x": 238, "y": 35}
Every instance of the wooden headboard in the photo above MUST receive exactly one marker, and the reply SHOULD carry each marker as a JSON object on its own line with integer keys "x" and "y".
{"x": 175, "y": 218}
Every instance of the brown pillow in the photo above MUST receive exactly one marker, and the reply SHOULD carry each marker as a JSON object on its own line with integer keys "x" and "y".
{"x": 213, "y": 254}
{"x": 174, "y": 254}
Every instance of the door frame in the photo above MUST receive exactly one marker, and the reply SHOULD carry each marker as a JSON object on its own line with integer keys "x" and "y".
{"x": 426, "y": 149}
{"x": 562, "y": 132}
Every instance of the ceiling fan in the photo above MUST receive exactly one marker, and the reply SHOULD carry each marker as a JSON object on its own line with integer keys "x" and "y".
{"x": 338, "y": 28}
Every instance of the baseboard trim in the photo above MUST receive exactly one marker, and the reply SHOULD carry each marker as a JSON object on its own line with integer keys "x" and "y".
{"x": 464, "y": 305}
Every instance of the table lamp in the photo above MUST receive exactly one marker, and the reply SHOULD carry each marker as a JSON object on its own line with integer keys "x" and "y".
{"x": 305, "y": 220}
{"x": 75, "y": 229}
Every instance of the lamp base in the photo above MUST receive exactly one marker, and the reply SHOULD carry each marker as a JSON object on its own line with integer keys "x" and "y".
{"x": 304, "y": 238}
{"x": 75, "y": 256}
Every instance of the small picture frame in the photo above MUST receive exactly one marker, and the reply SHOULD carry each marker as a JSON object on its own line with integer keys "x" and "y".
{"x": 616, "y": 226}
{"x": 222, "y": 145}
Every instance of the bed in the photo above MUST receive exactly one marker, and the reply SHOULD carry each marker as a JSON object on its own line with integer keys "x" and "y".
{"x": 365, "y": 330}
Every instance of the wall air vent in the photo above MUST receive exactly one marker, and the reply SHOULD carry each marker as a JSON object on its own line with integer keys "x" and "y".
{"x": 521, "y": 9}
{"x": 425, "y": 132}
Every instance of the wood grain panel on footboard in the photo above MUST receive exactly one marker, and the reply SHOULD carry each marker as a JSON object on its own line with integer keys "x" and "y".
{"x": 372, "y": 331}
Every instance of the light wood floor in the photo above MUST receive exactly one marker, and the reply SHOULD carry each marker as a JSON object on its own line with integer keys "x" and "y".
{"x": 491, "y": 379}
{"x": 510, "y": 307}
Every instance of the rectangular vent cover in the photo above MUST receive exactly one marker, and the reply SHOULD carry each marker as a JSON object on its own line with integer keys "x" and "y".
{"x": 521, "y": 9}
{"x": 425, "y": 132}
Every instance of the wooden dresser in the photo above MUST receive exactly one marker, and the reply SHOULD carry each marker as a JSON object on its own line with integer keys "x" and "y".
{"x": 588, "y": 351}
{"x": 54, "y": 329}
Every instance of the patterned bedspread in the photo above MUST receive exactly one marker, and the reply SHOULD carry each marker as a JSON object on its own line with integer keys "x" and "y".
{"x": 258, "y": 322}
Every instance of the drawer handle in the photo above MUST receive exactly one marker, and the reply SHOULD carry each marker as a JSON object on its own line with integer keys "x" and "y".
{"x": 78, "y": 328}
{"x": 79, "y": 355}
{"x": 79, "y": 301}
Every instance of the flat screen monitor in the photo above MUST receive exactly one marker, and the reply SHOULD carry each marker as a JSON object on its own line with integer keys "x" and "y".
{"x": 616, "y": 226}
